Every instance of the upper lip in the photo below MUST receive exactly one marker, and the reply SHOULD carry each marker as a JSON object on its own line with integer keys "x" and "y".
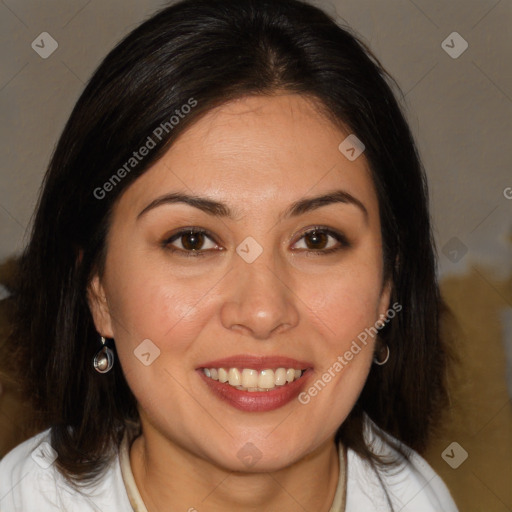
{"x": 256, "y": 362}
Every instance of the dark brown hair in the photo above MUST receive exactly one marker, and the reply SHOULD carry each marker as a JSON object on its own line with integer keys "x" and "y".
{"x": 214, "y": 51}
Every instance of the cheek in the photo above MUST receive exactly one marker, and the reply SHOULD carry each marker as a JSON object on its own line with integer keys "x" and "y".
{"x": 344, "y": 308}
{"x": 171, "y": 313}
{"x": 345, "y": 301}
{"x": 153, "y": 304}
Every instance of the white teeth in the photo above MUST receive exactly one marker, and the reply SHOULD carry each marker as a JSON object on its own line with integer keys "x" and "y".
{"x": 280, "y": 376}
{"x": 247, "y": 379}
{"x": 266, "y": 379}
{"x": 235, "y": 379}
{"x": 223, "y": 375}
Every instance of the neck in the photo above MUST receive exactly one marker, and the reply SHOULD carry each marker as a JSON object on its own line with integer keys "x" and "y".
{"x": 167, "y": 475}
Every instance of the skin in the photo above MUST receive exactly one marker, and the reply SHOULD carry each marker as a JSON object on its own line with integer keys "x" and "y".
{"x": 257, "y": 155}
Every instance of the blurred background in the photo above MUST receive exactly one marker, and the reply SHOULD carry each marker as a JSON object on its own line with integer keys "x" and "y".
{"x": 452, "y": 61}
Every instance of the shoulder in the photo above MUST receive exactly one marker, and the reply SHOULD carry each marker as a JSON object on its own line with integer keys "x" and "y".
{"x": 412, "y": 485}
{"x": 30, "y": 482}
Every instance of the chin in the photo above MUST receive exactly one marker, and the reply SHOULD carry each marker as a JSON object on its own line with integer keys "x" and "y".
{"x": 257, "y": 456}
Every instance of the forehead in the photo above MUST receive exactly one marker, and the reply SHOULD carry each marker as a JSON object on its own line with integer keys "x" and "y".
{"x": 258, "y": 151}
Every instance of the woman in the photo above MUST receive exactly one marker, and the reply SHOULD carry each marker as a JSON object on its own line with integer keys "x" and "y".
{"x": 224, "y": 304}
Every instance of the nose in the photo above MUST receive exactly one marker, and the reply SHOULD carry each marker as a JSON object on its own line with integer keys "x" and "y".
{"x": 260, "y": 300}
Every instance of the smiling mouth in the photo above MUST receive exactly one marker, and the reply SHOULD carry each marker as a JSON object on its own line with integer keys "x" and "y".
{"x": 248, "y": 379}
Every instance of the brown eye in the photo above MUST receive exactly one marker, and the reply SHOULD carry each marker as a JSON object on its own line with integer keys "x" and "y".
{"x": 316, "y": 240}
{"x": 192, "y": 241}
{"x": 322, "y": 241}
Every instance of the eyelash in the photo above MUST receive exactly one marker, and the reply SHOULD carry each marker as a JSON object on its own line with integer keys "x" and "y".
{"x": 342, "y": 240}
{"x": 188, "y": 254}
{"x": 339, "y": 237}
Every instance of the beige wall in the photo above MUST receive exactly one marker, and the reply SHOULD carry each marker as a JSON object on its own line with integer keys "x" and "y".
{"x": 460, "y": 111}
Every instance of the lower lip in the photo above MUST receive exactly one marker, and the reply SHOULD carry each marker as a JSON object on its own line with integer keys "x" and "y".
{"x": 256, "y": 401}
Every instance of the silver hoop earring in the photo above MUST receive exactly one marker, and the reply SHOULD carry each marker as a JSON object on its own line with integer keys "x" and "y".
{"x": 104, "y": 359}
{"x": 385, "y": 360}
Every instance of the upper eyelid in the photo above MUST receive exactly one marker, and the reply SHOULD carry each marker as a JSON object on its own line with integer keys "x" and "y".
{"x": 330, "y": 231}
{"x": 168, "y": 240}
{"x": 189, "y": 229}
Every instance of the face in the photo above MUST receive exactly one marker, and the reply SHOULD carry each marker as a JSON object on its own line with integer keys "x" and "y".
{"x": 222, "y": 256}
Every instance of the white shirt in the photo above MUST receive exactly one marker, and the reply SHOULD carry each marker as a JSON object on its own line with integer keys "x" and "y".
{"x": 30, "y": 482}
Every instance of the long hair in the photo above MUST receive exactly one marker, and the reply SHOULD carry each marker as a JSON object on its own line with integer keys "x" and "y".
{"x": 203, "y": 53}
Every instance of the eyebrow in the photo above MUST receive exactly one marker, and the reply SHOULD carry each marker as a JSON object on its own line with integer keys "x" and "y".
{"x": 219, "y": 209}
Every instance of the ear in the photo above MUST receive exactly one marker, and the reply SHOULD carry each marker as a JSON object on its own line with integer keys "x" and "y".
{"x": 385, "y": 298}
{"x": 99, "y": 307}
